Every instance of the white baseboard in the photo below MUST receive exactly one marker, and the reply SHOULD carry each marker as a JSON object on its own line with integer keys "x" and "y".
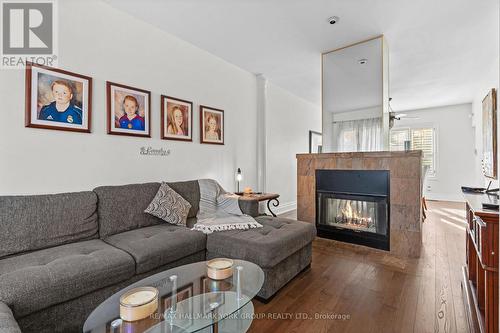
{"x": 444, "y": 197}
{"x": 284, "y": 207}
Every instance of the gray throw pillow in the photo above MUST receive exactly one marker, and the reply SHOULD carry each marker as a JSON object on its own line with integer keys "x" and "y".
{"x": 169, "y": 206}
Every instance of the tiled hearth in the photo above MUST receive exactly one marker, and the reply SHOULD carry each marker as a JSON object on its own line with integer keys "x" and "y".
{"x": 405, "y": 170}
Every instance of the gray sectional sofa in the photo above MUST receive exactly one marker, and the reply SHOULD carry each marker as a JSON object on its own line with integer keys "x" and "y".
{"x": 61, "y": 255}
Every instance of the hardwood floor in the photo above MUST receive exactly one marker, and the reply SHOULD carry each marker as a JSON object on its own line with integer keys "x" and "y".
{"x": 362, "y": 291}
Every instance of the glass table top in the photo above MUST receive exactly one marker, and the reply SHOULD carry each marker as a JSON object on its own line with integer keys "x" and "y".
{"x": 199, "y": 304}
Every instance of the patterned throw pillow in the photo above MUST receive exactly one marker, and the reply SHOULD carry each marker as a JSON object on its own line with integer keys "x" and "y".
{"x": 169, "y": 206}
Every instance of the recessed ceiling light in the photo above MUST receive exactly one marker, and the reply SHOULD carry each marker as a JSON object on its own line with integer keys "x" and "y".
{"x": 333, "y": 19}
{"x": 363, "y": 61}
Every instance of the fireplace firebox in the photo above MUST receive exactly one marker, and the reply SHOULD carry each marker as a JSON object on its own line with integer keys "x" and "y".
{"x": 353, "y": 206}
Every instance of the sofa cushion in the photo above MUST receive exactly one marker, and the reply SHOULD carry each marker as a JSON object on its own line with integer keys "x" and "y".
{"x": 169, "y": 206}
{"x": 35, "y": 222}
{"x": 190, "y": 222}
{"x": 158, "y": 245}
{"x": 249, "y": 207}
{"x": 37, "y": 280}
{"x": 189, "y": 190}
{"x": 7, "y": 322}
{"x": 121, "y": 208}
{"x": 267, "y": 246}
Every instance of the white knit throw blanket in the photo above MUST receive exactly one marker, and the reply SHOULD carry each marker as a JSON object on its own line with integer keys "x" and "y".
{"x": 219, "y": 210}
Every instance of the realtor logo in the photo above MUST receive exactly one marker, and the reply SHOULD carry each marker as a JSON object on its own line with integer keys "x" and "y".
{"x": 28, "y": 30}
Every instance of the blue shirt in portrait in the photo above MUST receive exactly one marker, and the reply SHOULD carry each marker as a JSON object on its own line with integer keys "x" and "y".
{"x": 136, "y": 123}
{"x": 72, "y": 115}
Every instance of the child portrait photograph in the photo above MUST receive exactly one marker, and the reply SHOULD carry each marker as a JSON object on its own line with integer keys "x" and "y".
{"x": 176, "y": 119}
{"x": 57, "y": 99}
{"x": 212, "y": 125}
{"x": 128, "y": 110}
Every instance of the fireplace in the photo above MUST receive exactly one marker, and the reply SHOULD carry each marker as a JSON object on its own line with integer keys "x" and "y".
{"x": 353, "y": 206}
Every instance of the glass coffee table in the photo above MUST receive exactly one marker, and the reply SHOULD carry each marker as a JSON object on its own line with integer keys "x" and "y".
{"x": 189, "y": 301}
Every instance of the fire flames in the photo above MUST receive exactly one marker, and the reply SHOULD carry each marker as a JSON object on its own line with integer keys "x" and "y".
{"x": 352, "y": 218}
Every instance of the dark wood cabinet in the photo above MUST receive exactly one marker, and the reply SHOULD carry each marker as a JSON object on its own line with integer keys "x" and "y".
{"x": 480, "y": 275}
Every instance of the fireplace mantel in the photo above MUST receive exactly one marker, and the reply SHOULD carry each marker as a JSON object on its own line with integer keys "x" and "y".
{"x": 405, "y": 191}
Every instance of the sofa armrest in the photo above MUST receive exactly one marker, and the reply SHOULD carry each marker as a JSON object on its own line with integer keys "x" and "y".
{"x": 249, "y": 207}
{"x": 7, "y": 322}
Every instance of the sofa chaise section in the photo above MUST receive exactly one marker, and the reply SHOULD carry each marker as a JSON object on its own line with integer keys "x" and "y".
{"x": 282, "y": 248}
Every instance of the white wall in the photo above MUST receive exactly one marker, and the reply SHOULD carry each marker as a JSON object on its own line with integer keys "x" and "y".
{"x": 455, "y": 149}
{"x": 490, "y": 80}
{"x": 100, "y": 41}
{"x": 289, "y": 120}
{"x": 367, "y": 113}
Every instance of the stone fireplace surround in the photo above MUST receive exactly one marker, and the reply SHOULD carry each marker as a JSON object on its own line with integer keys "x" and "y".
{"x": 405, "y": 191}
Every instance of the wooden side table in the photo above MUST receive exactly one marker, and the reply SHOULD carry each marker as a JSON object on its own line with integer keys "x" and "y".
{"x": 272, "y": 199}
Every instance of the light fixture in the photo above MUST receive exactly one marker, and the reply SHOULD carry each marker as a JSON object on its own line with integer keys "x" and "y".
{"x": 239, "y": 178}
{"x": 333, "y": 19}
{"x": 363, "y": 61}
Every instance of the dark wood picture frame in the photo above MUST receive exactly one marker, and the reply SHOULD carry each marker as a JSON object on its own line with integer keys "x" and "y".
{"x": 165, "y": 98}
{"x": 183, "y": 293}
{"x": 202, "y": 125}
{"x": 489, "y": 112}
{"x": 216, "y": 295}
{"x": 28, "y": 99}
{"x": 311, "y": 134}
{"x": 109, "y": 100}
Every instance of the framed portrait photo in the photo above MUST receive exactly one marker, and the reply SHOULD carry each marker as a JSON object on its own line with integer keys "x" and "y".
{"x": 211, "y": 125}
{"x": 176, "y": 119}
{"x": 128, "y": 110}
{"x": 57, "y": 99}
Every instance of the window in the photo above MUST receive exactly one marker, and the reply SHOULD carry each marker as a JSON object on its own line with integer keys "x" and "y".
{"x": 398, "y": 138}
{"x": 347, "y": 140}
{"x": 421, "y": 139}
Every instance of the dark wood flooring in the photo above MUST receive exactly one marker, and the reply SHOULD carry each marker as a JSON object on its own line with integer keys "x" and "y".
{"x": 363, "y": 291}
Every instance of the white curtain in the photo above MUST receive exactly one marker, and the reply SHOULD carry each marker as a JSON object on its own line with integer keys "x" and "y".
{"x": 358, "y": 135}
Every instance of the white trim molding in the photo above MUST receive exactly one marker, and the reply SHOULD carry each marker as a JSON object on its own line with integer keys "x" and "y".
{"x": 261, "y": 132}
{"x": 284, "y": 207}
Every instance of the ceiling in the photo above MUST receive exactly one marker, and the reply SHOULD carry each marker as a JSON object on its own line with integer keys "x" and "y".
{"x": 350, "y": 86}
{"x": 439, "y": 50}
